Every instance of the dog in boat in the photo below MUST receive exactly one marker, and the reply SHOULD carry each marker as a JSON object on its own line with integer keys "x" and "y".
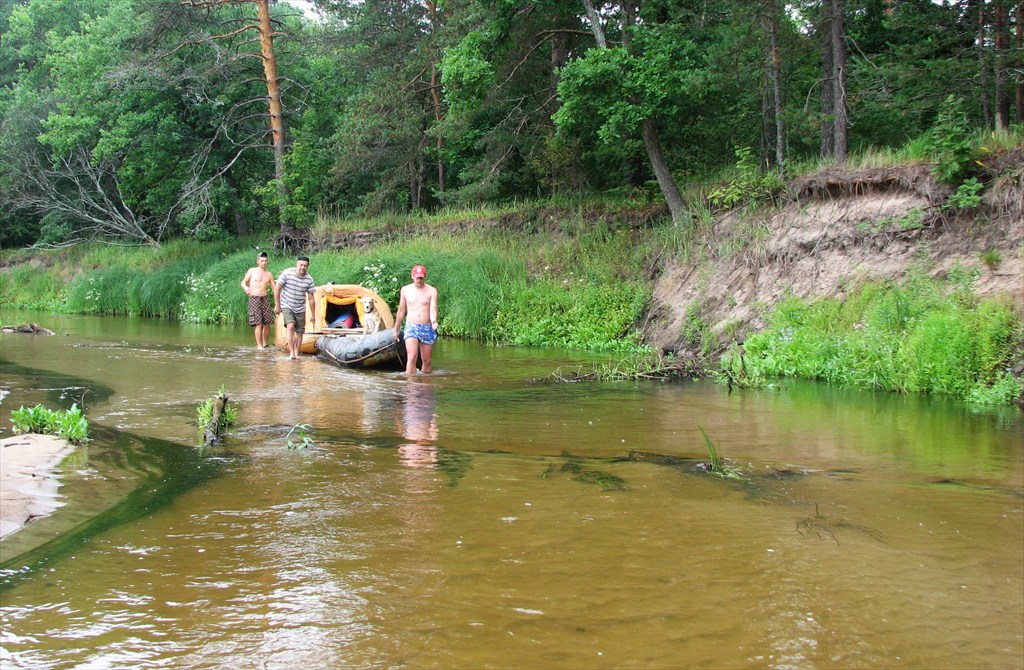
{"x": 371, "y": 320}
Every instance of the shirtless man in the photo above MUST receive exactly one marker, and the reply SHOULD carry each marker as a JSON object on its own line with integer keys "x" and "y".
{"x": 255, "y": 284}
{"x": 419, "y": 299}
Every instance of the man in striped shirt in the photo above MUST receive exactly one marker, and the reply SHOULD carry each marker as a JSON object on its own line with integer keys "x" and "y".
{"x": 292, "y": 292}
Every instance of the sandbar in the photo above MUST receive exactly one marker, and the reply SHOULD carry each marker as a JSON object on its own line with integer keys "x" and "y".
{"x": 29, "y": 478}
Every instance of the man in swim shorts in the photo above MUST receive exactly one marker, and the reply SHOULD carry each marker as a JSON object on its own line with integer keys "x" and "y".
{"x": 255, "y": 284}
{"x": 419, "y": 299}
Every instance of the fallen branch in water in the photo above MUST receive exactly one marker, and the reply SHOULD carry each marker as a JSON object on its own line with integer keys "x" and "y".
{"x": 214, "y": 417}
{"x": 30, "y": 328}
{"x": 634, "y": 368}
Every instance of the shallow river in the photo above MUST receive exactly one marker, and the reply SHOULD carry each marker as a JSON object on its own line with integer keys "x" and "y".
{"x": 487, "y": 517}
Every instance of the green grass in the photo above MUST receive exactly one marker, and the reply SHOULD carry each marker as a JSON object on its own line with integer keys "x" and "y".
{"x": 918, "y": 150}
{"x": 922, "y": 336}
{"x": 30, "y": 287}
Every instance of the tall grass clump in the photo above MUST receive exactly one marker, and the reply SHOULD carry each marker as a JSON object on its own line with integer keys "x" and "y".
{"x": 922, "y": 337}
{"x": 111, "y": 290}
{"x": 28, "y": 287}
{"x": 591, "y": 316}
{"x": 214, "y": 294}
{"x": 163, "y": 292}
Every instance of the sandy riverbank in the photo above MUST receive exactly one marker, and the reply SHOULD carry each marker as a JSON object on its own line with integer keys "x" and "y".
{"x": 29, "y": 478}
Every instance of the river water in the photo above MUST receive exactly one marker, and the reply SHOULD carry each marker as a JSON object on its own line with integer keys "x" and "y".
{"x": 488, "y": 517}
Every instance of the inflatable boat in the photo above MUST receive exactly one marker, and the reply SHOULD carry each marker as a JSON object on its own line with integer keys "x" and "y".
{"x": 377, "y": 350}
{"x": 339, "y": 314}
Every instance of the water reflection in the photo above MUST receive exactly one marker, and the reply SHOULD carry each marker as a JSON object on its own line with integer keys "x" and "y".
{"x": 419, "y": 425}
{"x": 466, "y": 519}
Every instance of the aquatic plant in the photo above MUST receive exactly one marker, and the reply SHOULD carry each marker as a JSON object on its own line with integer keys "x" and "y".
{"x": 717, "y": 464}
{"x": 573, "y": 465}
{"x": 632, "y": 368}
{"x": 303, "y": 440}
{"x": 205, "y": 412}
{"x": 70, "y": 425}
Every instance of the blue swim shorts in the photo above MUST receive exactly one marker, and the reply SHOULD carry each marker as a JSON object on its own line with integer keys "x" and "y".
{"x": 420, "y": 331}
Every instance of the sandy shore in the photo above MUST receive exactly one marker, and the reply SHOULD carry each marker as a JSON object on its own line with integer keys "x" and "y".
{"x": 29, "y": 479}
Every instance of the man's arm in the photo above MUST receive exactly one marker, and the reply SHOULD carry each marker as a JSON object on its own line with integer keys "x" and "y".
{"x": 277, "y": 297}
{"x": 245, "y": 281}
{"x": 433, "y": 309}
{"x": 400, "y": 314}
{"x": 311, "y": 303}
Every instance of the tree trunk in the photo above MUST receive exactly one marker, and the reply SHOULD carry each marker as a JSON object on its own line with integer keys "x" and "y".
{"x": 766, "y": 148}
{"x": 669, "y": 188}
{"x": 277, "y": 135}
{"x": 840, "y": 123}
{"x": 435, "y": 97}
{"x": 652, "y": 142}
{"x": 986, "y": 111}
{"x": 1019, "y": 97}
{"x": 241, "y": 221}
{"x": 595, "y": 24}
{"x": 1001, "y": 61}
{"x": 828, "y": 103}
{"x": 774, "y": 72}
{"x": 559, "y": 57}
{"x": 438, "y": 18}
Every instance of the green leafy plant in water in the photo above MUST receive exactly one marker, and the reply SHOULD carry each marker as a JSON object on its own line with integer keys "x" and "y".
{"x": 573, "y": 465}
{"x": 70, "y": 425}
{"x": 204, "y": 412}
{"x": 303, "y": 440}
{"x": 718, "y": 465}
{"x": 36, "y": 419}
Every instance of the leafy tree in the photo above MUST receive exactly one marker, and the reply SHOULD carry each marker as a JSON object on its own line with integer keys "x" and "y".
{"x": 656, "y": 70}
{"x": 267, "y": 29}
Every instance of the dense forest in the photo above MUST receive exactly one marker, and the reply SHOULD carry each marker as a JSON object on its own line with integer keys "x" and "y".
{"x": 140, "y": 121}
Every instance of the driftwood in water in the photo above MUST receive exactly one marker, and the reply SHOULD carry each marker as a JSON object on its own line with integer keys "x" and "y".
{"x": 31, "y": 328}
{"x": 211, "y": 434}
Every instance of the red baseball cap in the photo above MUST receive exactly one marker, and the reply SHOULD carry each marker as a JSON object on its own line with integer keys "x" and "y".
{"x": 419, "y": 271}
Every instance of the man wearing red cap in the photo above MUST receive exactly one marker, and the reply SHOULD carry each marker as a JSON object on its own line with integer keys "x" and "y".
{"x": 419, "y": 299}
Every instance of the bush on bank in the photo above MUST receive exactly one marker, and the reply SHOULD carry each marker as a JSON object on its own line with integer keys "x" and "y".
{"x": 922, "y": 336}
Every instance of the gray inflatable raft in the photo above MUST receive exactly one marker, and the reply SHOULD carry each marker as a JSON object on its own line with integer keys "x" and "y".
{"x": 378, "y": 350}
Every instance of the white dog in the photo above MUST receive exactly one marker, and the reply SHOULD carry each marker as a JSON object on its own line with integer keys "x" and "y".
{"x": 371, "y": 320}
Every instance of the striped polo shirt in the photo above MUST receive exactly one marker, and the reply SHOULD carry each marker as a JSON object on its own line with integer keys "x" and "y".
{"x": 294, "y": 290}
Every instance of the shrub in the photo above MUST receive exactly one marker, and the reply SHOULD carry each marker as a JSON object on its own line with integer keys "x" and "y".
{"x": 597, "y": 317}
{"x": 107, "y": 291}
{"x": 70, "y": 425}
{"x": 924, "y": 337}
{"x": 750, "y": 185}
{"x": 949, "y": 142}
